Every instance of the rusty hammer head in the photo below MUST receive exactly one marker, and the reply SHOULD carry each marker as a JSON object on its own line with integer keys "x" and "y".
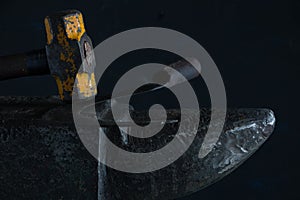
{"x": 70, "y": 55}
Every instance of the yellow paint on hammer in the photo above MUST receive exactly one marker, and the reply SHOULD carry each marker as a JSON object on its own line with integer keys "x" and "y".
{"x": 86, "y": 85}
{"x": 48, "y": 31}
{"x": 60, "y": 87}
{"x": 74, "y": 26}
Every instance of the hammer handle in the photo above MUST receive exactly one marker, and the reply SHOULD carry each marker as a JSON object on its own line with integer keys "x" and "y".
{"x": 26, "y": 64}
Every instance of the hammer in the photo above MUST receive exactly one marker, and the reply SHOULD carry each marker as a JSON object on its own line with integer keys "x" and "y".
{"x": 68, "y": 48}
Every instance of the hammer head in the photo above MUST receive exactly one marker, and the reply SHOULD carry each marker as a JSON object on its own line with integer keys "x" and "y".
{"x": 68, "y": 48}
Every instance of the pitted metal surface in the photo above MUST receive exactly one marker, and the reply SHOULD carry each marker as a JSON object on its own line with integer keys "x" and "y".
{"x": 43, "y": 158}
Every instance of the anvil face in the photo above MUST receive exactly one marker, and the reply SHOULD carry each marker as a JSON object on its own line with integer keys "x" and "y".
{"x": 42, "y": 156}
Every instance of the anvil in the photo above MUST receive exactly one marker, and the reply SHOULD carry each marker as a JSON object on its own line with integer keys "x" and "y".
{"x": 42, "y": 156}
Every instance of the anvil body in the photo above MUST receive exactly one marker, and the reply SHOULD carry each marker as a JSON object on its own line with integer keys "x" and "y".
{"x": 42, "y": 157}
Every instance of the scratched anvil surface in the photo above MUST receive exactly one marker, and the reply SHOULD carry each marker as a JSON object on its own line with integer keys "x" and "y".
{"x": 41, "y": 151}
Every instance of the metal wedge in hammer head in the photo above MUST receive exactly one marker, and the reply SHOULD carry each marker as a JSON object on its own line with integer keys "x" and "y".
{"x": 70, "y": 55}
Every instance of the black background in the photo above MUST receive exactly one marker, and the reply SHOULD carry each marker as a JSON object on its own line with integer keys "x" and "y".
{"x": 254, "y": 44}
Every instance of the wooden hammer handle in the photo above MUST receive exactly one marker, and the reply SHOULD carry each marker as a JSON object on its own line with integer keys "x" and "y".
{"x": 26, "y": 64}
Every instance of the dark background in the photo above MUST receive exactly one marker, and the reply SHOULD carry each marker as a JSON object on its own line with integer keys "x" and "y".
{"x": 254, "y": 44}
